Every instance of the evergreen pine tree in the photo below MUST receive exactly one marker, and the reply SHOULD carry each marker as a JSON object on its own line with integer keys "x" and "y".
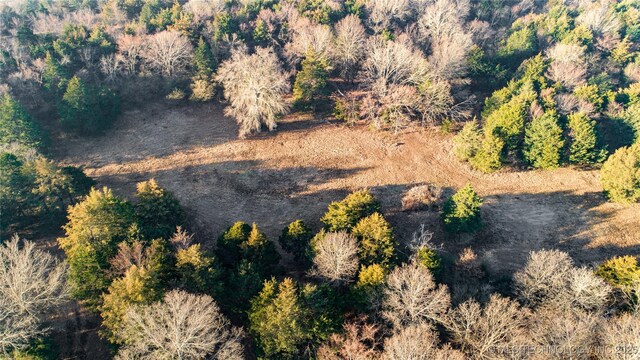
{"x": 461, "y": 212}
{"x": 543, "y": 141}
{"x": 311, "y": 80}
{"x": 583, "y": 149}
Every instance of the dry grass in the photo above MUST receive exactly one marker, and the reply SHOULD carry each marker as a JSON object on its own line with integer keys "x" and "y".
{"x": 275, "y": 178}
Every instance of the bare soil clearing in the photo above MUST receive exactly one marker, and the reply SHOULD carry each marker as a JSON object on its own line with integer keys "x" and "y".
{"x": 274, "y": 178}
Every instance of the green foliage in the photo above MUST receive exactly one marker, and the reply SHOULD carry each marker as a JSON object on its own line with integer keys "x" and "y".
{"x": 135, "y": 288}
{"x": 87, "y": 109}
{"x": 295, "y": 239}
{"x": 489, "y": 157}
{"x": 620, "y": 175}
{"x": 520, "y": 44}
{"x": 38, "y": 188}
{"x": 243, "y": 283}
{"x": 229, "y": 242}
{"x": 203, "y": 60}
{"x": 461, "y": 212}
{"x": 224, "y": 25}
{"x": 622, "y": 52}
{"x": 17, "y": 127}
{"x": 368, "y": 290}
{"x": 39, "y": 349}
{"x": 311, "y": 80}
{"x": 96, "y": 225}
{"x": 54, "y": 76}
{"x": 591, "y": 94}
{"x": 317, "y": 10}
{"x": 278, "y": 320}
{"x": 507, "y": 122}
{"x": 468, "y": 140}
{"x": 284, "y": 318}
{"x": 260, "y": 32}
{"x": 157, "y": 210}
{"x": 583, "y": 140}
{"x": 260, "y": 251}
{"x": 543, "y": 142}
{"x": 620, "y": 271}
{"x": 376, "y": 244}
{"x": 430, "y": 259}
{"x": 15, "y": 184}
{"x": 343, "y": 215}
{"x": 198, "y": 271}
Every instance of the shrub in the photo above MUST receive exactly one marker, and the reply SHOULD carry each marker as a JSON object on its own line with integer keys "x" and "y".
{"x": 461, "y": 212}
{"x": 344, "y": 214}
{"x": 620, "y": 175}
{"x": 422, "y": 197}
{"x": 430, "y": 259}
{"x": 347, "y": 109}
{"x": 543, "y": 141}
{"x": 620, "y": 271}
{"x": 203, "y": 88}
{"x": 376, "y": 243}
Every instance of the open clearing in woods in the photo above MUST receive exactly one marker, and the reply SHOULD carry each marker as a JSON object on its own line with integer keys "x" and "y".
{"x": 295, "y": 172}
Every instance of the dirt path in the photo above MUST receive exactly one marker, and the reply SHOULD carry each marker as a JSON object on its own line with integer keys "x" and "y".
{"x": 295, "y": 172}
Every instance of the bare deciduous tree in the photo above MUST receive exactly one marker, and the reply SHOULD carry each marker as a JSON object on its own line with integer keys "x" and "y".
{"x": 393, "y": 62}
{"x": 358, "y": 342}
{"x": 570, "y": 331}
{"x": 599, "y": 18}
{"x": 448, "y": 57}
{"x": 255, "y": 87}
{"x": 181, "y": 239}
{"x": 181, "y": 326}
{"x": 418, "y": 342}
{"x": 549, "y": 278}
{"x": 32, "y": 283}
{"x": 543, "y": 277}
{"x": 620, "y": 337}
{"x": 350, "y": 41}
{"x": 203, "y": 10}
{"x": 567, "y": 66}
{"x": 483, "y": 333}
{"x": 169, "y": 52}
{"x": 412, "y": 296}
{"x": 307, "y": 35}
{"x": 336, "y": 258}
{"x": 586, "y": 291}
{"x": 127, "y": 256}
{"x": 394, "y": 109}
{"x": 130, "y": 47}
{"x": 111, "y": 66}
{"x": 383, "y": 12}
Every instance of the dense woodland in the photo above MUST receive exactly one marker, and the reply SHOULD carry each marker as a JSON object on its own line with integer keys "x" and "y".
{"x": 528, "y": 85}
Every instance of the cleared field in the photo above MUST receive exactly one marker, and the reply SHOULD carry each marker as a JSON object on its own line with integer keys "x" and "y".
{"x": 275, "y": 178}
